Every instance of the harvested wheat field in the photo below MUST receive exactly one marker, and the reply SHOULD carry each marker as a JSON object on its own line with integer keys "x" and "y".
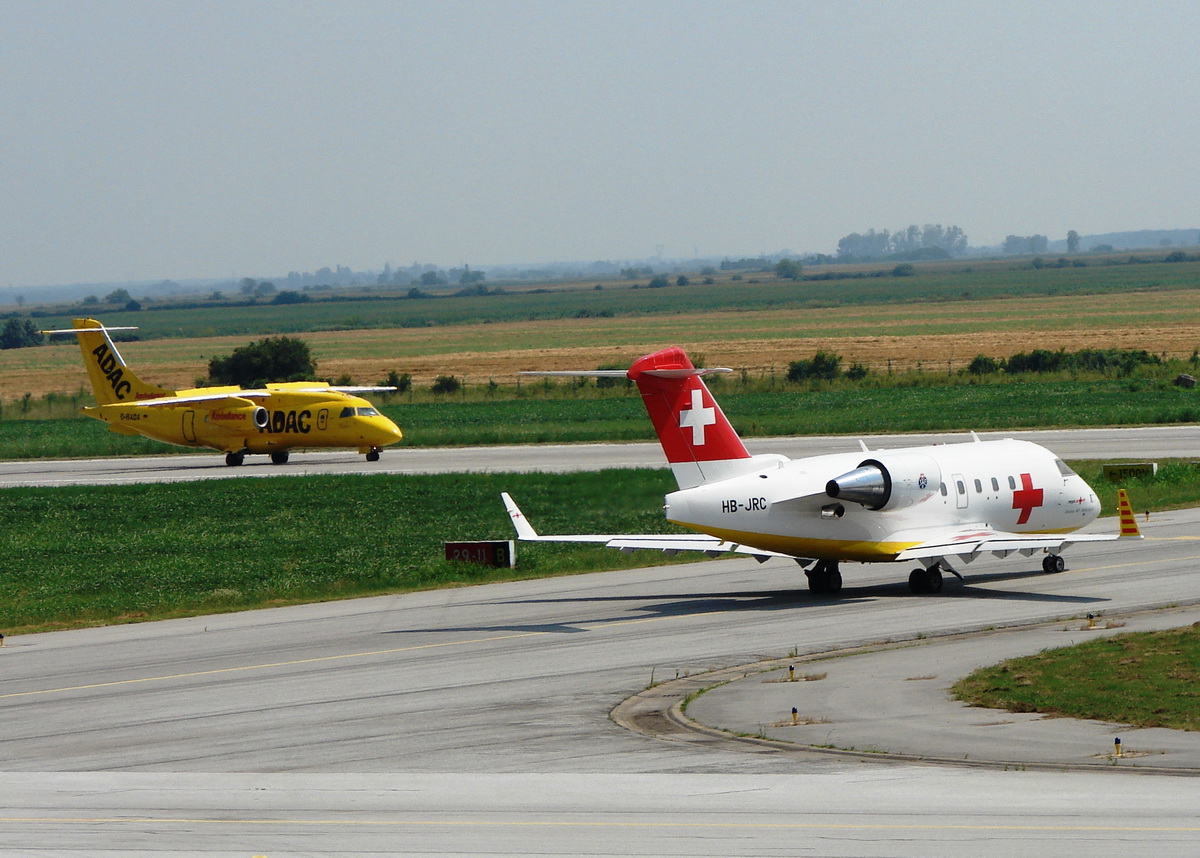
{"x": 936, "y": 337}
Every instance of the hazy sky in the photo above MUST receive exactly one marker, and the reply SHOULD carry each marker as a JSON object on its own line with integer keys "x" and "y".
{"x": 150, "y": 140}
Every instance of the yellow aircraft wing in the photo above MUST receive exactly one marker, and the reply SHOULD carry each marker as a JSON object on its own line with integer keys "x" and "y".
{"x": 240, "y": 399}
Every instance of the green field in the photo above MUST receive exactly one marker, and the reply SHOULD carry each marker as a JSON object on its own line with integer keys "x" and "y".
{"x": 1145, "y": 680}
{"x": 102, "y": 554}
{"x": 565, "y": 415}
{"x": 935, "y": 283}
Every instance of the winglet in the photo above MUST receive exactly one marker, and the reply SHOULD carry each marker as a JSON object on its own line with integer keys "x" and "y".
{"x": 1129, "y": 527}
{"x": 524, "y": 528}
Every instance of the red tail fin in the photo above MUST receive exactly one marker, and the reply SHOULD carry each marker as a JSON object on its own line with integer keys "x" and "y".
{"x": 690, "y": 425}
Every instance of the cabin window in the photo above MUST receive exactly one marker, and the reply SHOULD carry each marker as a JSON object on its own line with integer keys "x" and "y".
{"x": 1012, "y": 484}
{"x": 962, "y": 490}
{"x": 978, "y": 487}
{"x": 995, "y": 484}
{"x": 943, "y": 490}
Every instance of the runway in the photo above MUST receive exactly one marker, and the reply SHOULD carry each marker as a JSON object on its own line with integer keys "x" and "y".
{"x": 1135, "y": 444}
{"x": 476, "y": 721}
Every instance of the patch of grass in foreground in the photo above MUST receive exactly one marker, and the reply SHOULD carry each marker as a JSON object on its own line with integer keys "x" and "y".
{"x": 1149, "y": 679}
{"x": 93, "y": 555}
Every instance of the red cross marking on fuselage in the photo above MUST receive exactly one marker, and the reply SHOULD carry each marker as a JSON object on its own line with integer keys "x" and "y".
{"x": 1026, "y": 498}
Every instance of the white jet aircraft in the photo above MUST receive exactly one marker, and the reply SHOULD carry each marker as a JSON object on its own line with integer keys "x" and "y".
{"x": 941, "y": 506}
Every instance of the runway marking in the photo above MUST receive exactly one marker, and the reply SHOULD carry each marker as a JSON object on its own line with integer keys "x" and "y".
{"x": 487, "y": 823}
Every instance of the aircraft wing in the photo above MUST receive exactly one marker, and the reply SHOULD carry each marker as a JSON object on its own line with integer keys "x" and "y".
{"x": 353, "y": 388}
{"x": 971, "y": 543}
{"x": 668, "y": 543}
{"x": 967, "y": 544}
{"x": 236, "y": 400}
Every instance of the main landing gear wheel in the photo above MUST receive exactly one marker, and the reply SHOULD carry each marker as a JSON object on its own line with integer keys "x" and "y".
{"x": 279, "y": 457}
{"x": 924, "y": 580}
{"x": 373, "y": 456}
{"x": 233, "y": 459}
{"x": 825, "y": 577}
{"x": 1053, "y": 563}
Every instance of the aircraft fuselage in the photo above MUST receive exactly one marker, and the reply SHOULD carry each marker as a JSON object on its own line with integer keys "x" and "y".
{"x": 905, "y": 496}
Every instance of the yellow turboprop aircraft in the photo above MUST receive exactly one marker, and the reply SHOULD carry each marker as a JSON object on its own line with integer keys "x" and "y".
{"x": 274, "y": 420}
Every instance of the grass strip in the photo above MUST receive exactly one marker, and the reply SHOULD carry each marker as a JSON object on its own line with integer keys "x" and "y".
{"x": 1146, "y": 679}
{"x": 93, "y": 555}
{"x": 608, "y": 416}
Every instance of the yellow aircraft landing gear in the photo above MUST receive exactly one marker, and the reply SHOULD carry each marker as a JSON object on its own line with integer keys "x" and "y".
{"x": 279, "y": 457}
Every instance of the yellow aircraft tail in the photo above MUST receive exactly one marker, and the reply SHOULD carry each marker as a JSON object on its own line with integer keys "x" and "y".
{"x": 112, "y": 380}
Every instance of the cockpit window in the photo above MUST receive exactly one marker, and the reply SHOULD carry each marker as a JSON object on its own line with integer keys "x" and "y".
{"x": 1063, "y": 469}
{"x": 367, "y": 412}
{"x": 347, "y": 412}
{"x": 361, "y": 411}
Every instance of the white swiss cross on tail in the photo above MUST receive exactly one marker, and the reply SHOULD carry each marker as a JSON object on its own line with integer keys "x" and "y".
{"x": 697, "y": 417}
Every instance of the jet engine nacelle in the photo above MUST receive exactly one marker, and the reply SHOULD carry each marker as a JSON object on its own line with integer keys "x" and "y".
{"x": 256, "y": 414}
{"x": 892, "y": 482}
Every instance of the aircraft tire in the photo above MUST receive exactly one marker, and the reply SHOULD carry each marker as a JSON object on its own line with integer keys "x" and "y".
{"x": 373, "y": 456}
{"x": 279, "y": 457}
{"x": 933, "y": 577}
{"x": 1053, "y": 563}
{"x": 233, "y": 459}
{"x": 834, "y": 584}
{"x": 825, "y": 577}
{"x": 916, "y": 581}
{"x": 922, "y": 580}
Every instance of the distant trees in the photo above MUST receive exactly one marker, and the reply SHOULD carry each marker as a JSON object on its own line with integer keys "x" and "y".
{"x": 17, "y": 334}
{"x": 824, "y": 365}
{"x": 118, "y": 296}
{"x": 252, "y": 288}
{"x": 1025, "y": 244}
{"x": 1122, "y": 361}
{"x": 271, "y": 359}
{"x": 916, "y": 242}
{"x": 1072, "y": 241}
{"x": 402, "y": 381}
{"x": 788, "y": 269}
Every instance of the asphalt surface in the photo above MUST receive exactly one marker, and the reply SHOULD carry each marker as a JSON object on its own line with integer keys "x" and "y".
{"x": 478, "y": 721}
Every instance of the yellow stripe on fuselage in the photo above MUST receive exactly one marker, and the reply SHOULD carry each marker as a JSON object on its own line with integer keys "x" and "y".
{"x": 818, "y": 549}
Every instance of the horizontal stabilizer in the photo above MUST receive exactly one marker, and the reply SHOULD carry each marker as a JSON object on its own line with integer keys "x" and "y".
{"x": 620, "y": 373}
{"x": 98, "y": 330}
{"x": 669, "y": 543}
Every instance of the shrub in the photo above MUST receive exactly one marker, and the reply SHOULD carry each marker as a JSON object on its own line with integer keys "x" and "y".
{"x": 824, "y": 365}
{"x": 983, "y": 365}
{"x": 271, "y": 359}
